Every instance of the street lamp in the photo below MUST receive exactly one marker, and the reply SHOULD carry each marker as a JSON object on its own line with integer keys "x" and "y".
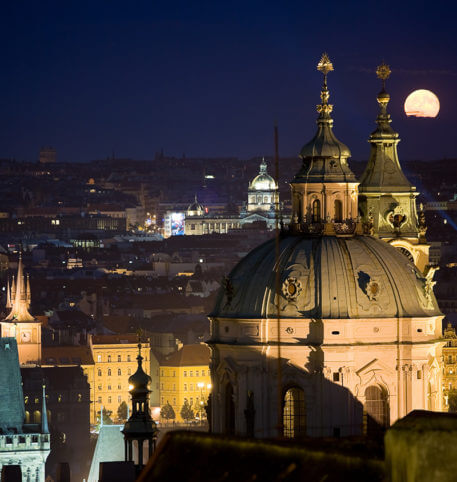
{"x": 201, "y": 385}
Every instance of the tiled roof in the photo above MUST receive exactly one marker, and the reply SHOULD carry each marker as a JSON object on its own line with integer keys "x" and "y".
{"x": 123, "y": 338}
{"x": 67, "y": 355}
{"x": 189, "y": 355}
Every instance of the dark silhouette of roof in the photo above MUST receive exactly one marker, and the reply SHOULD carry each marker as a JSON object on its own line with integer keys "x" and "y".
{"x": 189, "y": 355}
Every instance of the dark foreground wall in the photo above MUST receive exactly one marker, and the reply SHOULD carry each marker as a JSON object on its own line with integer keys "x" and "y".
{"x": 193, "y": 456}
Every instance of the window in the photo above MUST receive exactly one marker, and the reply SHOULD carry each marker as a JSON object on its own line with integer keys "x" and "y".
{"x": 119, "y": 387}
{"x": 185, "y": 373}
{"x": 174, "y": 387}
{"x": 376, "y": 409}
{"x": 191, "y": 386}
{"x": 162, "y": 400}
{"x": 99, "y": 388}
{"x": 99, "y": 358}
{"x": 191, "y": 401}
{"x": 192, "y": 227}
{"x": 129, "y": 372}
{"x": 109, "y": 387}
{"x": 119, "y": 372}
{"x": 109, "y": 372}
{"x": 161, "y": 374}
{"x": 449, "y": 359}
{"x": 185, "y": 387}
{"x": 119, "y": 358}
{"x": 119, "y": 399}
{"x": 316, "y": 211}
{"x": 336, "y": 377}
{"x": 128, "y": 358}
{"x": 196, "y": 373}
{"x": 191, "y": 373}
{"x": 294, "y": 413}
{"x": 99, "y": 372}
{"x": 109, "y": 358}
{"x": 174, "y": 401}
{"x": 338, "y": 211}
{"x": 161, "y": 386}
{"x": 203, "y": 373}
{"x": 99, "y": 400}
{"x": 174, "y": 373}
{"x": 109, "y": 399}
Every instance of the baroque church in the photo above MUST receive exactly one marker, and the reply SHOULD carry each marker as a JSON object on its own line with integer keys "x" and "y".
{"x": 333, "y": 329}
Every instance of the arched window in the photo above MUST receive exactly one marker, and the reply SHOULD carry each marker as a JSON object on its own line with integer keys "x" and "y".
{"x": 338, "y": 211}
{"x": 27, "y": 417}
{"x": 229, "y": 410}
{"x": 99, "y": 372}
{"x": 376, "y": 409}
{"x": 294, "y": 413}
{"x": 36, "y": 416}
{"x": 316, "y": 214}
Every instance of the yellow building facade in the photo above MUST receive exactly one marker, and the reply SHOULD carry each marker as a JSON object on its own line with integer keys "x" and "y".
{"x": 185, "y": 375}
{"x": 114, "y": 362}
{"x": 449, "y": 364}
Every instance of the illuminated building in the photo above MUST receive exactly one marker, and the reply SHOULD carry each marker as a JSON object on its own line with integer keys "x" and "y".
{"x": 19, "y": 323}
{"x": 114, "y": 361}
{"x": 336, "y": 335}
{"x": 449, "y": 363}
{"x": 263, "y": 197}
{"x": 21, "y": 442}
{"x": 185, "y": 375}
{"x": 387, "y": 200}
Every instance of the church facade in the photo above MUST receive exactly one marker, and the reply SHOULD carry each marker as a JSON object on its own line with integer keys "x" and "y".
{"x": 335, "y": 332}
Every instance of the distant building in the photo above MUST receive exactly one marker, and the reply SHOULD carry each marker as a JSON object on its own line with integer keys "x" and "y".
{"x": 21, "y": 442}
{"x": 115, "y": 360}
{"x": 449, "y": 363}
{"x": 48, "y": 155}
{"x": 263, "y": 201}
{"x": 185, "y": 375}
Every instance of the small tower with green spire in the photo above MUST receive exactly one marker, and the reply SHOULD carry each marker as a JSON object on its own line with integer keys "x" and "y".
{"x": 387, "y": 200}
{"x": 139, "y": 426}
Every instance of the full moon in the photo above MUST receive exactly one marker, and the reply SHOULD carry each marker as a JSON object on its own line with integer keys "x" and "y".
{"x": 422, "y": 103}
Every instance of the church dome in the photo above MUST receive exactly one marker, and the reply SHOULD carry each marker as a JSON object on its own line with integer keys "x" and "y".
{"x": 195, "y": 209}
{"x": 327, "y": 277}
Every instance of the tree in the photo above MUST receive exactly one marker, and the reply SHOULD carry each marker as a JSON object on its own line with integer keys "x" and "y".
{"x": 107, "y": 420}
{"x": 122, "y": 411}
{"x": 186, "y": 411}
{"x": 452, "y": 401}
{"x": 167, "y": 412}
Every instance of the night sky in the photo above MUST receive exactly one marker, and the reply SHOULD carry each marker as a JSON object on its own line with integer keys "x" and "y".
{"x": 210, "y": 78}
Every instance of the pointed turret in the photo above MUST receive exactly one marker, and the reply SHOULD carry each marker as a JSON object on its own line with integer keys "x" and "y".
{"x": 8, "y": 294}
{"x": 13, "y": 290}
{"x": 21, "y": 299}
{"x": 387, "y": 200}
{"x": 44, "y": 413}
{"x": 324, "y": 191}
{"x": 28, "y": 292}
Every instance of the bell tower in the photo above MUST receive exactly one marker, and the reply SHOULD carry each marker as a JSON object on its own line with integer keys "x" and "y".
{"x": 387, "y": 200}
{"x": 19, "y": 323}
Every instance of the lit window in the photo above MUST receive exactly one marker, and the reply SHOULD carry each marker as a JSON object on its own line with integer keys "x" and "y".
{"x": 196, "y": 373}
{"x": 109, "y": 358}
{"x": 99, "y": 358}
{"x": 294, "y": 413}
{"x": 99, "y": 388}
{"x": 109, "y": 399}
{"x": 119, "y": 387}
{"x": 99, "y": 372}
{"x": 109, "y": 387}
{"x": 119, "y": 372}
{"x": 191, "y": 373}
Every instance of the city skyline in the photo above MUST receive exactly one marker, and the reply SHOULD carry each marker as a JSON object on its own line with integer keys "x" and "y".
{"x": 211, "y": 80}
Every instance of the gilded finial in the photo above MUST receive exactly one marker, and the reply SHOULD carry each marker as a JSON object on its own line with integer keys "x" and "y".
{"x": 383, "y": 72}
{"x": 139, "y": 333}
{"x": 325, "y": 65}
{"x": 324, "y": 108}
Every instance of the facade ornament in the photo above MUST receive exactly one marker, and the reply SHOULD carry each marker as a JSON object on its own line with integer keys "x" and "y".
{"x": 422, "y": 225}
{"x": 428, "y": 282}
{"x": 372, "y": 290}
{"x": 291, "y": 288}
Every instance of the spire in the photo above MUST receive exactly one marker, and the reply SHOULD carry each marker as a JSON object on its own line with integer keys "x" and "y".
{"x": 13, "y": 290}
{"x": 44, "y": 413}
{"x": 383, "y": 169}
{"x": 325, "y": 144}
{"x": 28, "y": 292}
{"x": 19, "y": 311}
{"x": 8, "y": 294}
